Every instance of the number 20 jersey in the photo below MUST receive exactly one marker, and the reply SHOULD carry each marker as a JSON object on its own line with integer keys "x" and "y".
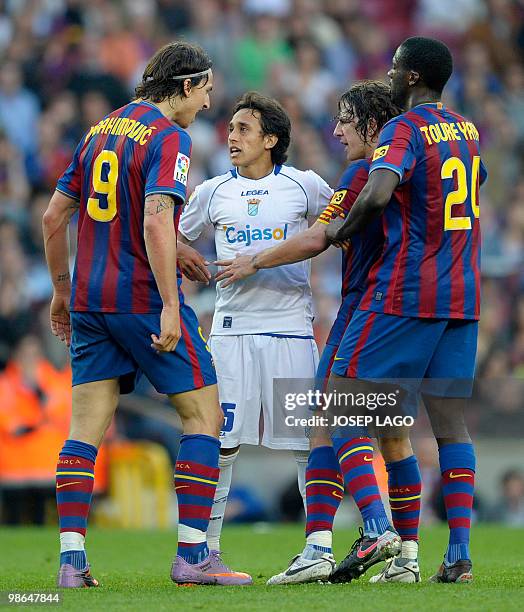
{"x": 133, "y": 152}
{"x": 430, "y": 263}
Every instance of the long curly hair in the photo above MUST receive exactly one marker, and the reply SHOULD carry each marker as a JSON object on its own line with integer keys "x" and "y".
{"x": 369, "y": 104}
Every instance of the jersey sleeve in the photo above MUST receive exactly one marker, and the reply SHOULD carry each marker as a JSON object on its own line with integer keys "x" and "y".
{"x": 351, "y": 184}
{"x": 195, "y": 217}
{"x": 319, "y": 194}
{"x": 396, "y": 149}
{"x": 168, "y": 165}
{"x": 70, "y": 182}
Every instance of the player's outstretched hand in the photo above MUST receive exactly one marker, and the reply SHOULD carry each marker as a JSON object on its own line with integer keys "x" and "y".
{"x": 332, "y": 231}
{"x": 169, "y": 330}
{"x": 234, "y": 269}
{"x": 192, "y": 264}
{"x": 60, "y": 318}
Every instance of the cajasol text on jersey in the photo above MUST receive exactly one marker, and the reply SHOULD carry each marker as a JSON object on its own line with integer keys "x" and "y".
{"x": 249, "y": 234}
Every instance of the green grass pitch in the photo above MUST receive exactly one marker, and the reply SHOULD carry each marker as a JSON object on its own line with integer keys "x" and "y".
{"x": 133, "y": 569}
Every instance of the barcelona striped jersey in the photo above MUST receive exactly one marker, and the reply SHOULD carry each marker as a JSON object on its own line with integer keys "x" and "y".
{"x": 132, "y": 153}
{"x": 430, "y": 264}
{"x": 365, "y": 246}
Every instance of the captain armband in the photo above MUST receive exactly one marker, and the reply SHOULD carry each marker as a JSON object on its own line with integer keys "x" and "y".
{"x": 331, "y": 212}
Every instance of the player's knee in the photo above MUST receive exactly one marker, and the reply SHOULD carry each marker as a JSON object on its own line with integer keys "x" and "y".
{"x": 94, "y": 405}
{"x": 203, "y": 417}
{"x": 206, "y": 419}
{"x": 447, "y": 419}
{"x": 90, "y": 431}
{"x": 216, "y": 419}
{"x": 199, "y": 411}
{"x": 395, "y": 449}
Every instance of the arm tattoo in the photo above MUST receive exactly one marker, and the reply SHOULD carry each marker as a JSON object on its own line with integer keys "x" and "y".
{"x": 63, "y": 277}
{"x": 157, "y": 203}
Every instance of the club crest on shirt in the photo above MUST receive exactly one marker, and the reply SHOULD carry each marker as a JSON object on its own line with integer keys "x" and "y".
{"x": 252, "y": 206}
{"x": 181, "y": 168}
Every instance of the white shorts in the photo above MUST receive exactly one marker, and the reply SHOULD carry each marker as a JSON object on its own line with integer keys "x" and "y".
{"x": 246, "y": 366}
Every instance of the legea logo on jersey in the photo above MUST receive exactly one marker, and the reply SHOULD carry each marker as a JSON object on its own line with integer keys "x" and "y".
{"x": 250, "y": 235}
{"x": 254, "y": 192}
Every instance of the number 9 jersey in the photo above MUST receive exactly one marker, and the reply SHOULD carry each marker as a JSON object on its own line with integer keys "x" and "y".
{"x": 132, "y": 153}
{"x": 430, "y": 264}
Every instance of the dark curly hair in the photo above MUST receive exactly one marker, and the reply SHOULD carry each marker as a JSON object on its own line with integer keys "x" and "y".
{"x": 369, "y": 104}
{"x": 174, "y": 59}
{"x": 273, "y": 121}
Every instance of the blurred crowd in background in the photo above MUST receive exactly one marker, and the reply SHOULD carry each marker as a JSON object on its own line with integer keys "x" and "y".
{"x": 64, "y": 64}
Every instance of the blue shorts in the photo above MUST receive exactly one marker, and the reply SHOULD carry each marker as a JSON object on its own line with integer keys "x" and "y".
{"x": 112, "y": 345}
{"x": 439, "y": 354}
{"x": 325, "y": 364}
{"x": 344, "y": 315}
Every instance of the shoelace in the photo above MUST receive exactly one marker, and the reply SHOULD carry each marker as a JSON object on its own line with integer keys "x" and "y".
{"x": 219, "y": 556}
{"x": 358, "y": 541}
{"x": 386, "y": 568}
{"x": 294, "y": 559}
{"x": 86, "y": 576}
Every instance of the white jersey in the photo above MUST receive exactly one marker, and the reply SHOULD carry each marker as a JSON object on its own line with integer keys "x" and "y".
{"x": 250, "y": 216}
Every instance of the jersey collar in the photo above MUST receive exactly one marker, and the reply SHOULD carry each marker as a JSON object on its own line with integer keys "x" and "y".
{"x": 437, "y": 105}
{"x": 275, "y": 171}
{"x": 150, "y": 104}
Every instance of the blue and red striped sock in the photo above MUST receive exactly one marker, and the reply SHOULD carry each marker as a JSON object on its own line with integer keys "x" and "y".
{"x": 457, "y": 466}
{"x": 324, "y": 491}
{"x": 196, "y": 478}
{"x": 75, "y": 478}
{"x": 356, "y": 463}
{"x": 405, "y": 486}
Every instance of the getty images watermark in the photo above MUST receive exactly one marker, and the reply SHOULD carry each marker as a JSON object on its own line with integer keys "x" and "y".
{"x": 492, "y": 408}
{"x": 344, "y": 409}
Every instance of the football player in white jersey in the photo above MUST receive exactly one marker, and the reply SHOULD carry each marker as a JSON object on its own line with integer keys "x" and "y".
{"x": 262, "y": 327}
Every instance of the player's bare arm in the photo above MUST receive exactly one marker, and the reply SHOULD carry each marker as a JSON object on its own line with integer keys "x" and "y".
{"x": 298, "y": 248}
{"x": 370, "y": 203}
{"x": 192, "y": 264}
{"x": 56, "y": 242}
{"x": 160, "y": 241}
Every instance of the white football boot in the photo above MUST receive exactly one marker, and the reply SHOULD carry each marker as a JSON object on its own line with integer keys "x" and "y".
{"x": 302, "y": 570}
{"x": 403, "y": 568}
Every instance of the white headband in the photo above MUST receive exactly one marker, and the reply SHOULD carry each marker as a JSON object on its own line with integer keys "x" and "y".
{"x": 185, "y": 76}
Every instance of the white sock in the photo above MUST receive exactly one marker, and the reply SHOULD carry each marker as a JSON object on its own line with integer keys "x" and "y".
{"x": 318, "y": 543}
{"x": 190, "y": 535}
{"x": 71, "y": 540}
{"x": 301, "y": 457}
{"x": 409, "y": 550}
{"x": 320, "y": 538}
{"x": 225, "y": 463}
